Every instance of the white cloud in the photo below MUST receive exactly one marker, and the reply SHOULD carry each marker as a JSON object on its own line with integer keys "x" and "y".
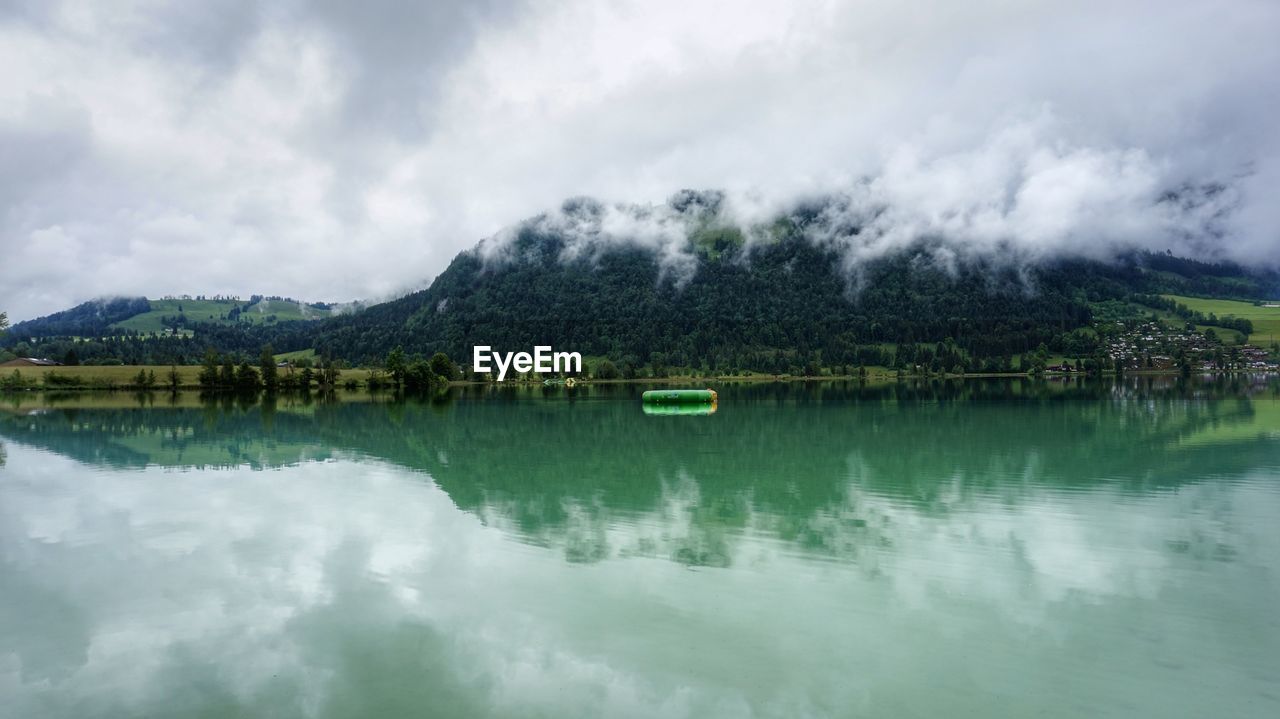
{"x": 302, "y": 149}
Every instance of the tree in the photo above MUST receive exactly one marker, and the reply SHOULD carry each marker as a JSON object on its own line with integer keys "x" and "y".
{"x": 444, "y": 367}
{"x": 396, "y": 365}
{"x": 208, "y": 377}
{"x": 375, "y": 380}
{"x": 267, "y": 366}
{"x": 227, "y": 375}
{"x": 607, "y": 370}
{"x": 71, "y": 359}
{"x": 329, "y": 372}
{"x": 1040, "y": 360}
{"x": 246, "y": 378}
{"x": 175, "y": 380}
{"x": 658, "y": 361}
{"x": 419, "y": 377}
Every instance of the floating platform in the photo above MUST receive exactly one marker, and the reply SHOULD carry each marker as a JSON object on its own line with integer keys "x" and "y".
{"x": 679, "y": 396}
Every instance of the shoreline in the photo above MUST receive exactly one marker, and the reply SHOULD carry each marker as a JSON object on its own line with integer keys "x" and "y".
{"x": 95, "y": 385}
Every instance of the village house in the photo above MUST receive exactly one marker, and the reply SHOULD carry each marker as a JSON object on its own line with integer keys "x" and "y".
{"x": 30, "y": 362}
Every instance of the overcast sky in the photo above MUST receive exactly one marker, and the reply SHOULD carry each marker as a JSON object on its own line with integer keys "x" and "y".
{"x": 336, "y": 150}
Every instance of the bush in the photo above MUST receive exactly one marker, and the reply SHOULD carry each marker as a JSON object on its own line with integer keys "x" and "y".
{"x": 14, "y": 381}
{"x": 53, "y": 379}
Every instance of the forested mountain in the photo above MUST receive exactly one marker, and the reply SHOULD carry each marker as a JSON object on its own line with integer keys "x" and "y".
{"x": 136, "y": 330}
{"x": 88, "y": 319}
{"x": 681, "y": 286}
{"x": 769, "y": 305}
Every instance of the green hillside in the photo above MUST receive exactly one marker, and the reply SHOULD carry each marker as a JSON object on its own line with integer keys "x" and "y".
{"x": 194, "y": 310}
{"x": 283, "y": 310}
{"x": 307, "y": 354}
{"x": 163, "y": 313}
{"x": 1265, "y": 317}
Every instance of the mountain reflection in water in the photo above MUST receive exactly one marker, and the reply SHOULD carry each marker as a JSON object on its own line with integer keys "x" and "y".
{"x": 808, "y": 549}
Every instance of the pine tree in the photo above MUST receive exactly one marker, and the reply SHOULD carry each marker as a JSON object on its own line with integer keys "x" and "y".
{"x": 208, "y": 376}
{"x": 396, "y": 365}
{"x": 267, "y": 366}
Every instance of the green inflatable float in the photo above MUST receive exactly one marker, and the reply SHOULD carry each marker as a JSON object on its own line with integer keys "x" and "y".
{"x": 679, "y": 396}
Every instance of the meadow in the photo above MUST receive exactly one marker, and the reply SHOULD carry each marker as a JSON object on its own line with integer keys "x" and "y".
{"x": 294, "y": 356}
{"x": 216, "y": 311}
{"x": 90, "y": 376}
{"x": 1266, "y": 320}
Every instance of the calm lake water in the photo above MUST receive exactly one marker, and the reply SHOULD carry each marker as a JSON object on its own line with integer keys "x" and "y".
{"x": 986, "y": 549}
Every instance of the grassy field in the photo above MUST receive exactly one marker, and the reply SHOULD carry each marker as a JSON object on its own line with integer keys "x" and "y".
{"x": 296, "y": 355}
{"x": 283, "y": 311}
{"x": 1266, "y": 320}
{"x": 195, "y": 310}
{"x": 216, "y": 311}
{"x": 52, "y": 399}
{"x": 123, "y": 376}
{"x": 120, "y": 375}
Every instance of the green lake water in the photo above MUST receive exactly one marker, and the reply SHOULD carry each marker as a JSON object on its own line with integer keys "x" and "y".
{"x": 980, "y": 548}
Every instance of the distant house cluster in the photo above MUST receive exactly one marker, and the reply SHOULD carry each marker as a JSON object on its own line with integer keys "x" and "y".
{"x": 1256, "y": 358}
{"x": 1149, "y": 346}
{"x": 30, "y": 362}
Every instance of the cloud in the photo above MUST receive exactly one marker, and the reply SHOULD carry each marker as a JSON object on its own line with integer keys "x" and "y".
{"x": 1023, "y": 194}
{"x": 304, "y": 148}
{"x": 589, "y": 227}
{"x": 1019, "y": 196}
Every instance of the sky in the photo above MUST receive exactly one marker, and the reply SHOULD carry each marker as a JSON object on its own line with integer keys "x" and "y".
{"x": 336, "y": 151}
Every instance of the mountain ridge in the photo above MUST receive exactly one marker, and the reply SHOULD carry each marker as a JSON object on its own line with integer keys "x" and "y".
{"x": 684, "y": 285}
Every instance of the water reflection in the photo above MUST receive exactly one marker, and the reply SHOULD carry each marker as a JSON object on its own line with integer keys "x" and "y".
{"x": 686, "y": 410}
{"x": 805, "y": 551}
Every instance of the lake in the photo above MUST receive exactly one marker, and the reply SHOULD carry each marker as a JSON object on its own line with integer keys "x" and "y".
{"x": 986, "y": 548}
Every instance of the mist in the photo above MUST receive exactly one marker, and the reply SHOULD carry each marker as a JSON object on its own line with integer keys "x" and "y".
{"x": 1020, "y": 197}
